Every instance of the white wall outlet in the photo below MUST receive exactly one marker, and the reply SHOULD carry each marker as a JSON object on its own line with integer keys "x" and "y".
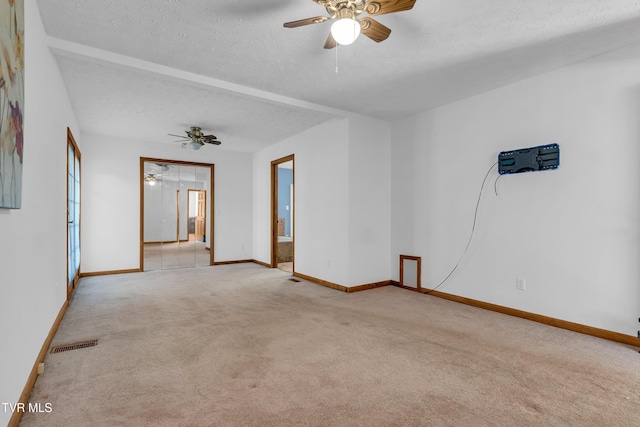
{"x": 521, "y": 284}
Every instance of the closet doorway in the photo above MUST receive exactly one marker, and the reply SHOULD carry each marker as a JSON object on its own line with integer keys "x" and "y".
{"x": 282, "y": 213}
{"x": 176, "y": 214}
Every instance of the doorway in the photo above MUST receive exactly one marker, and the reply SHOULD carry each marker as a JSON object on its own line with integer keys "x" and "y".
{"x": 197, "y": 215}
{"x": 176, "y": 231}
{"x": 282, "y": 213}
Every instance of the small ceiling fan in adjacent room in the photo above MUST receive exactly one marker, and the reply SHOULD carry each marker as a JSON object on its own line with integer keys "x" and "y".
{"x": 347, "y": 27}
{"x": 152, "y": 178}
{"x": 196, "y": 139}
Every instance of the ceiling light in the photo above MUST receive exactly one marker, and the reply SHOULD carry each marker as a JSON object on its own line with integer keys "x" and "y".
{"x": 345, "y": 31}
{"x": 194, "y": 145}
{"x": 150, "y": 179}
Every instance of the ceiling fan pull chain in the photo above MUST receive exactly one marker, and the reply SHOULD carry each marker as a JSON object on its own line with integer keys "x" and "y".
{"x": 337, "y": 59}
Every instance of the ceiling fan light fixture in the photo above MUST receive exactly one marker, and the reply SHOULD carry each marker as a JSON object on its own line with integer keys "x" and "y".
{"x": 194, "y": 145}
{"x": 345, "y": 31}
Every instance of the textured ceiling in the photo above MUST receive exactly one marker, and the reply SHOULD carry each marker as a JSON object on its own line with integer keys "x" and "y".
{"x": 146, "y": 68}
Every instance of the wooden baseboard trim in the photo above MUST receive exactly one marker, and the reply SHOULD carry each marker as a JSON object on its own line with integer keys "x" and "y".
{"x": 264, "y": 264}
{"x": 107, "y": 273}
{"x": 239, "y": 261}
{"x": 321, "y": 282}
{"x": 369, "y": 286}
{"x": 26, "y": 392}
{"x": 539, "y": 318}
{"x": 409, "y": 288}
{"x": 342, "y": 288}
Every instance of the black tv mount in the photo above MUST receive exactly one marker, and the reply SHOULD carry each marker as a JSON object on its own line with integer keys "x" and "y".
{"x": 531, "y": 159}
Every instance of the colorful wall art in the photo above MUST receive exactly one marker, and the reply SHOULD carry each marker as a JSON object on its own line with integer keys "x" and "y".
{"x": 11, "y": 102}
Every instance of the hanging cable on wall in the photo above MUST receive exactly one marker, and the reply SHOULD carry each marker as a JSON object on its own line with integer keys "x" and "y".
{"x": 473, "y": 229}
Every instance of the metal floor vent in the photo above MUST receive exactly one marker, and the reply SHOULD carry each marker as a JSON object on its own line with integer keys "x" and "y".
{"x": 75, "y": 346}
{"x": 295, "y": 280}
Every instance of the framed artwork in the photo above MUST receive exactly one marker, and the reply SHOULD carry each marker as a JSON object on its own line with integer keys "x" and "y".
{"x": 11, "y": 102}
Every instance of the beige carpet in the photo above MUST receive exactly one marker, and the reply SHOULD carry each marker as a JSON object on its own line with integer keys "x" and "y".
{"x": 165, "y": 256}
{"x": 242, "y": 345}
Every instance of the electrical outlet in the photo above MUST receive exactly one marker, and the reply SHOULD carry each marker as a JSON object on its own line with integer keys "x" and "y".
{"x": 520, "y": 284}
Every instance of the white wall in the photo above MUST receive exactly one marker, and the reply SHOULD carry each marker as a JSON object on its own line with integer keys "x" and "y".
{"x": 161, "y": 209}
{"x": 342, "y": 200}
{"x": 160, "y": 213}
{"x": 321, "y": 200}
{"x": 111, "y": 200}
{"x": 571, "y": 233}
{"x": 369, "y": 200}
{"x": 33, "y": 253}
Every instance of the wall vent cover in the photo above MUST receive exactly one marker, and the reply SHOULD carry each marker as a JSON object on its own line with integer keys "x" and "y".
{"x": 74, "y": 346}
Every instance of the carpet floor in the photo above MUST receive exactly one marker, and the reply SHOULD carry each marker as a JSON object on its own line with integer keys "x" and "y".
{"x": 164, "y": 256}
{"x": 242, "y": 345}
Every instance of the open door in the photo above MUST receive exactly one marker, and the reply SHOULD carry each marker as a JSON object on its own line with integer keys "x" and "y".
{"x": 282, "y": 213}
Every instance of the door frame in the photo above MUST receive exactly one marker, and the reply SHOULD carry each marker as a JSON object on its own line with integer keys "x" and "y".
{"x": 73, "y": 284}
{"x": 274, "y": 208}
{"x": 211, "y": 167}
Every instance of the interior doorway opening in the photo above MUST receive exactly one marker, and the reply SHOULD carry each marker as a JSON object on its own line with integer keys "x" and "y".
{"x": 282, "y": 213}
{"x": 197, "y": 216}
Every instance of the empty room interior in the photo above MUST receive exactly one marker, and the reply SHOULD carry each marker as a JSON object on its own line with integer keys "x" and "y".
{"x": 235, "y": 214}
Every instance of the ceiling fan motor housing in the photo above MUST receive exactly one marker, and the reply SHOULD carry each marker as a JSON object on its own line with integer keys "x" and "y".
{"x": 344, "y": 8}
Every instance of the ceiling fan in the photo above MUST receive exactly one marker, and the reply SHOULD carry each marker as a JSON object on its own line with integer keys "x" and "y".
{"x": 162, "y": 166}
{"x": 152, "y": 178}
{"x": 347, "y": 27}
{"x": 195, "y": 139}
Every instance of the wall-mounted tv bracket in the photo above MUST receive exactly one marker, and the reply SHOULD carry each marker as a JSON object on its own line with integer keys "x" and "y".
{"x": 531, "y": 159}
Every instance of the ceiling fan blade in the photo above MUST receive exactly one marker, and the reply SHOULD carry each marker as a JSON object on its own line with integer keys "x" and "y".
{"x": 209, "y": 137}
{"x": 330, "y": 43}
{"x": 214, "y": 142}
{"x": 374, "y": 30}
{"x": 308, "y": 21}
{"x": 380, "y": 7}
{"x": 178, "y": 136}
